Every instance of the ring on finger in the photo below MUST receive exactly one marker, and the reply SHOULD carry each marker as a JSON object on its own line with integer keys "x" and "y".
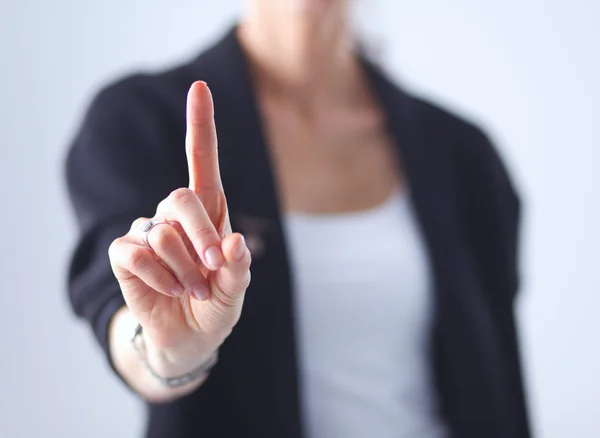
{"x": 147, "y": 226}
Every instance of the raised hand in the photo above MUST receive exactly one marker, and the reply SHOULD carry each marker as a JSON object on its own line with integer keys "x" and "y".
{"x": 184, "y": 273}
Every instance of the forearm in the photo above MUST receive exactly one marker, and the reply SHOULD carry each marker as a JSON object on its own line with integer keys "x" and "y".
{"x": 133, "y": 370}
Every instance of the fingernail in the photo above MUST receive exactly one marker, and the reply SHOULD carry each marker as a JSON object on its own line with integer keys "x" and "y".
{"x": 214, "y": 258}
{"x": 177, "y": 290}
{"x": 201, "y": 292}
{"x": 240, "y": 249}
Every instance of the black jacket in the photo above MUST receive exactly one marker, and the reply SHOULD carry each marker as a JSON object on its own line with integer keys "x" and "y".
{"x": 129, "y": 154}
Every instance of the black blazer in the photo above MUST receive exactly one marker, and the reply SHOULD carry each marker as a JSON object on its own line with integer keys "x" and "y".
{"x": 129, "y": 154}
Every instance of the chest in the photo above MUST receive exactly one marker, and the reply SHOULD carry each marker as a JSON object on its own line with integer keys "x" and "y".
{"x": 330, "y": 160}
{"x": 363, "y": 309}
{"x": 360, "y": 279}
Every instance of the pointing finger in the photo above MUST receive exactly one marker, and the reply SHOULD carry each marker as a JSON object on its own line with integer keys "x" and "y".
{"x": 201, "y": 141}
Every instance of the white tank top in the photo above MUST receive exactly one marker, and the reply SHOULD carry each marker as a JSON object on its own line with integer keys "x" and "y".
{"x": 364, "y": 303}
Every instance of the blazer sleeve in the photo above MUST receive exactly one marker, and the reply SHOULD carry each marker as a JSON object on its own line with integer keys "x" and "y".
{"x": 117, "y": 170}
{"x": 493, "y": 225}
{"x": 494, "y": 215}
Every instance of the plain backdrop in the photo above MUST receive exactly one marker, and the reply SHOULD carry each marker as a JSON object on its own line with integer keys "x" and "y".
{"x": 527, "y": 70}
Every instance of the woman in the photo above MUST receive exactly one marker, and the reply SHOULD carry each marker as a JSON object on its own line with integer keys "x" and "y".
{"x": 382, "y": 229}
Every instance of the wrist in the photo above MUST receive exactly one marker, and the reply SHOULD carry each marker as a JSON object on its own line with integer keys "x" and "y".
{"x": 179, "y": 360}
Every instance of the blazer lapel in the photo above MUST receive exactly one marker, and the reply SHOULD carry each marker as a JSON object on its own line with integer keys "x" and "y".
{"x": 267, "y": 324}
{"x": 463, "y": 354}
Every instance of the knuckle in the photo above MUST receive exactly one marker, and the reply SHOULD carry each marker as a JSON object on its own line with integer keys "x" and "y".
{"x": 161, "y": 237}
{"x": 136, "y": 259}
{"x": 203, "y": 151}
{"x": 182, "y": 195}
{"x": 229, "y": 300}
{"x": 191, "y": 139}
{"x": 137, "y": 224}
{"x": 204, "y": 234}
{"x": 117, "y": 250}
{"x": 246, "y": 281}
{"x": 247, "y": 260}
{"x": 113, "y": 248}
{"x": 162, "y": 205}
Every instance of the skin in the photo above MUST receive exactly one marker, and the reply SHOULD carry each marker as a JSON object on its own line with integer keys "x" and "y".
{"x": 320, "y": 119}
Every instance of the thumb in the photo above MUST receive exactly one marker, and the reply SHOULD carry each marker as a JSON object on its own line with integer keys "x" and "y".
{"x": 233, "y": 278}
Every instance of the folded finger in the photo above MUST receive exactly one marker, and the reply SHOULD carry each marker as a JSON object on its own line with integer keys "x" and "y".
{"x": 168, "y": 245}
{"x": 234, "y": 278}
{"x": 187, "y": 209}
{"x": 141, "y": 262}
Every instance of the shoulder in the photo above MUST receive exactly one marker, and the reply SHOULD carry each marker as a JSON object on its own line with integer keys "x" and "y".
{"x": 472, "y": 152}
{"x": 140, "y": 95}
{"x": 464, "y": 136}
{"x": 159, "y": 93}
{"x": 488, "y": 204}
{"x": 464, "y": 153}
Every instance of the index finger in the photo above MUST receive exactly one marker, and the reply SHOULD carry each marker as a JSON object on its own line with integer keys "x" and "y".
{"x": 201, "y": 140}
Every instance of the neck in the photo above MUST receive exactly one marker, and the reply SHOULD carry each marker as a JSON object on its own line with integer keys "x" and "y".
{"x": 299, "y": 53}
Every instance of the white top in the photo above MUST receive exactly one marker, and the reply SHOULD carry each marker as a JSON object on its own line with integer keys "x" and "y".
{"x": 363, "y": 296}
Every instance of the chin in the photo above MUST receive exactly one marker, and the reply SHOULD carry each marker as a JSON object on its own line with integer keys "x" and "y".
{"x": 308, "y": 6}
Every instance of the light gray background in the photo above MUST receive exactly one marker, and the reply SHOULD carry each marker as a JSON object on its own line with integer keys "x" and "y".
{"x": 528, "y": 70}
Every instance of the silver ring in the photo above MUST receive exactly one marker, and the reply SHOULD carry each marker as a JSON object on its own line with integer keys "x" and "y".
{"x": 147, "y": 227}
